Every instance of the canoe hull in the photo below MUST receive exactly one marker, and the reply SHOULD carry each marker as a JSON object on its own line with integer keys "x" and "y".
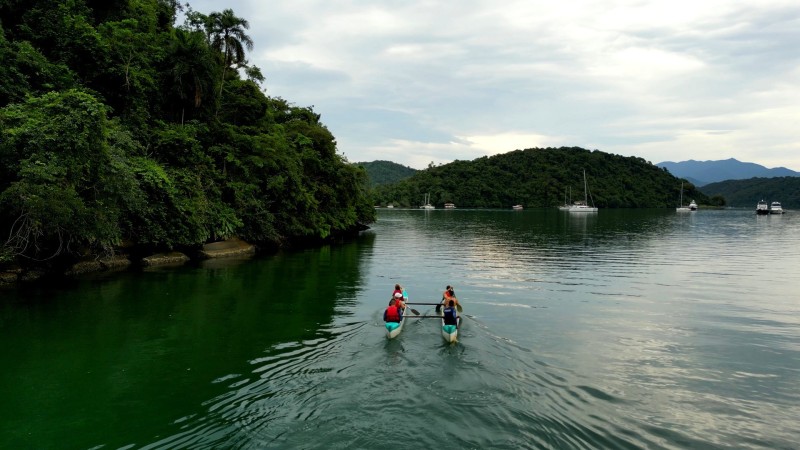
{"x": 391, "y": 334}
{"x": 449, "y": 332}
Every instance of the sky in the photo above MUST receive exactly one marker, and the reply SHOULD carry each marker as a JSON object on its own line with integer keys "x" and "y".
{"x": 424, "y": 81}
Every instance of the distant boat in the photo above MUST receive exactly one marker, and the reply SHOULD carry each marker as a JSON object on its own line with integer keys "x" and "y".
{"x": 565, "y": 206}
{"x": 390, "y": 205}
{"x": 449, "y": 206}
{"x": 693, "y": 205}
{"x": 682, "y": 208}
{"x": 427, "y": 202}
{"x": 583, "y": 205}
{"x": 762, "y": 208}
{"x": 776, "y": 208}
{"x": 516, "y": 207}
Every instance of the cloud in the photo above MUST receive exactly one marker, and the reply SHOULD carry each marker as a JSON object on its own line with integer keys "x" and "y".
{"x": 427, "y": 81}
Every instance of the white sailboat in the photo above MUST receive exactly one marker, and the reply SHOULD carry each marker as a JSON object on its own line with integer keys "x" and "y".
{"x": 682, "y": 208}
{"x": 583, "y": 205}
{"x": 427, "y": 202}
{"x": 566, "y": 205}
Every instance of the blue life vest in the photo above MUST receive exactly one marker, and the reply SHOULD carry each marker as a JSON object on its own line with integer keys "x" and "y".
{"x": 450, "y": 316}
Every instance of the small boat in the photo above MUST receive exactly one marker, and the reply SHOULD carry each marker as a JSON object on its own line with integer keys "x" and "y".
{"x": 762, "y": 208}
{"x": 776, "y": 208}
{"x": 427, "y": 202}
{"x": 517, "y": 207}
{"x": 583, "y": 205}
{"x": 682, "y": 208}
{"x": 450, "y": 332}
{"x": 393, "y": 329}
{"x": 449, "y": 206}
{"x": 565, "y": 206}
{"x": 390, "y": 205}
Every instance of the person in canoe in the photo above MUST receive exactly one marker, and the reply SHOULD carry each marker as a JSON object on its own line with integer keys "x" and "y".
{"x": 398, "y": 290}
{"x": 393, "y": 313}
{"x": 449, "y": 314}
{"x": 399, "y": 296}
{"x": 449, "y": 295}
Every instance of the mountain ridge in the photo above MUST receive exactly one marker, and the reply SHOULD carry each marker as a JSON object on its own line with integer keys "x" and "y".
{"x": 706, "y": 172}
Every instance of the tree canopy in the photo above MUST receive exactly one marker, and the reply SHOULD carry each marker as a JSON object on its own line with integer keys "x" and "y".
{"x": 119, "y": 128}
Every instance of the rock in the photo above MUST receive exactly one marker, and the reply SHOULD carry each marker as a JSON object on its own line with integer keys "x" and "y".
{"x": 116, "y": 262}
{"x": 8, "y": 278}
{"x": 84, "y": 267}
{"x": 162, "y": 259}
{"x": 230, "y": 247}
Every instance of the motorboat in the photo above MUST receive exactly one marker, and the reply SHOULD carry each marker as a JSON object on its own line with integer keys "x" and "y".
{"x": 775, "y": 208}
{"x": 762, "y": 208}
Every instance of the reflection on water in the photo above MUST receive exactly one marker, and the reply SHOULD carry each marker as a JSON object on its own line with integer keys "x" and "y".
{"x": 622, "y": 329}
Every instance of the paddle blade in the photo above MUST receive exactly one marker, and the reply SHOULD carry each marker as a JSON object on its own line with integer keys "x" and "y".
{"x": 414, "y": 311}
{"x": 438, "y": 308}
{"x": 459, "y": 308}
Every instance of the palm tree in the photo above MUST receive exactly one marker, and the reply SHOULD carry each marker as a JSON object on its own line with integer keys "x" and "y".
{"x": 226, "y": 33}
{"x": 192, "y": 67}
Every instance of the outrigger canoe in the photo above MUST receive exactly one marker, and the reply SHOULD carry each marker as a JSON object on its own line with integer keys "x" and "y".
{"x": 450, "y": 332}
{"x": 393, "y": 329}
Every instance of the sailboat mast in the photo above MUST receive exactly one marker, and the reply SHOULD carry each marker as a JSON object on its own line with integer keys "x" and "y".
{"x": 585, "y": 195}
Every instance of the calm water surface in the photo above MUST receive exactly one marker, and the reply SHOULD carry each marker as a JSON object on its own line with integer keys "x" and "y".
{"x": 622, "y": 329}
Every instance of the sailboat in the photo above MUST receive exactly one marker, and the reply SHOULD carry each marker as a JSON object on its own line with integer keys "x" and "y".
{"x": 682, "y": 208}
{"x": 565, "y": 206}
{"x": 427, "y": 202}
{"x": 583, "y": 205}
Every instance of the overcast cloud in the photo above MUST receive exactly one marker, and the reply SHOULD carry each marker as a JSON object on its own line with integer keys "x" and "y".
{"x": 416, "y": 82}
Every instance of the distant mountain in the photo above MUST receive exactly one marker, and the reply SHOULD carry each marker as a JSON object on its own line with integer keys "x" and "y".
{"x": 746, "y": 193}
{"x": 386, "y": 172}
{"x": 704, "y": 172}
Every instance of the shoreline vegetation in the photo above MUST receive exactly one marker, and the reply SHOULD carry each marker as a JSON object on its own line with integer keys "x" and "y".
{"x": 129, "y": 140}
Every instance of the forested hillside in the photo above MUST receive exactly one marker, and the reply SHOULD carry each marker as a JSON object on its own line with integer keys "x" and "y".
{"x": 540, "y": 177}
{"x": 746, "y": 193}
{"x": 119, "y": 128}
{"x": 386, "y": 172}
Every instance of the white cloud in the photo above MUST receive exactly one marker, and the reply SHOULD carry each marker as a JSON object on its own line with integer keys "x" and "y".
{"x": 422, "y": 81}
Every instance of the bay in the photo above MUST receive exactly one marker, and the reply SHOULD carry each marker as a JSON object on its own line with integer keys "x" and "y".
{"x": 621, "y": 329}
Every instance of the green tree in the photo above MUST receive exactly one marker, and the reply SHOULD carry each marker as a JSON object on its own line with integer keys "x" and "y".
{"x": 227, "y": 35}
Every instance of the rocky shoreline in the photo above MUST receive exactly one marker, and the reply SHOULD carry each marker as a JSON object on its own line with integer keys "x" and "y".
{"x": 233, "y": 247}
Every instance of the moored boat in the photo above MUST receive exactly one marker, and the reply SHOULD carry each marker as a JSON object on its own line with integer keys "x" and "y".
{"x": 583, "y": 205}
{"x": 776, "y": 208}
{"x": 517, "y": 207}
{"x": 427, "y": 202}
{"x": 692, "y": 206}
{"x": 762, "y": 208}
{"x": 449, "y": 206}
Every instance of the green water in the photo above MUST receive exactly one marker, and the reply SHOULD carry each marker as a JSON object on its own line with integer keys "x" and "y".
{"x": 624, "y": 329}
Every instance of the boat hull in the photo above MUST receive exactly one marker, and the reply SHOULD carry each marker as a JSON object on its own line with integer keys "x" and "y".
{"x": 394, "y": 332}
{"x": 450, "y": 333}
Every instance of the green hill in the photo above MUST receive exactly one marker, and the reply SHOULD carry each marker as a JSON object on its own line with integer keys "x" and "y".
{"x": 120, "y": 128}
{"x": 540, "y": 177}
{"x": 746, "y": 193}
{"x": 386, "y": 172}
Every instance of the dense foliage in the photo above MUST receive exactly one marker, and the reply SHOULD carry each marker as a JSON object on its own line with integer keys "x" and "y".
{"x": 542, "y": 177}
{"x": 747, "y": 193}
{"x": 386, "y": 172}
{"x": 119, "y": 128}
